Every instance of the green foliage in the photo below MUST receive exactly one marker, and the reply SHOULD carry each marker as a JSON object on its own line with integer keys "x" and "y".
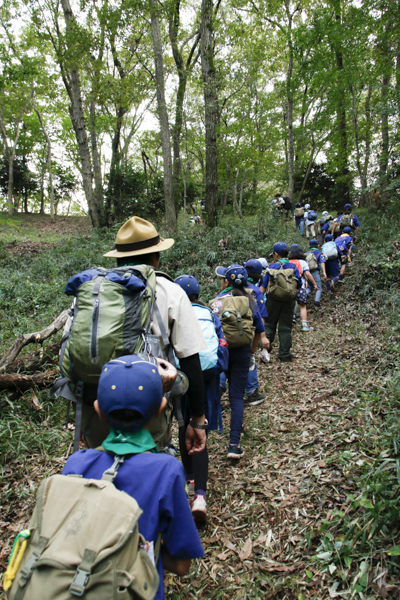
{"x": 130, "y": 192}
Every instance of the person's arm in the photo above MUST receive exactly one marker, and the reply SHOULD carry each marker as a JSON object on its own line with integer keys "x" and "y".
{"x": 179, "y": 566}
{"x": 192, "y": 369}
{"x": 264, "y": 284}
{"x": 333, "y": 228}
{"x": 265, "y": 341}
{"x": 255, "y": 342}
{"x": 357, "y": 230}
{"x": 310, "y": 278}
{"x": 324, "y": 270}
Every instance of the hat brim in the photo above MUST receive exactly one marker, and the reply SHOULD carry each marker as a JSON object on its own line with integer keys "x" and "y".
{"x": 221, "y": 271}
{"x": 162, "y": 245}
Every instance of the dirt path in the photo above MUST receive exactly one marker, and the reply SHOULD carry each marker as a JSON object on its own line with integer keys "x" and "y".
{"x": 266, "y": 511}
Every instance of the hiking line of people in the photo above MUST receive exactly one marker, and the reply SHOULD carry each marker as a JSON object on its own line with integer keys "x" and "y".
{"x": 139, "y": 349}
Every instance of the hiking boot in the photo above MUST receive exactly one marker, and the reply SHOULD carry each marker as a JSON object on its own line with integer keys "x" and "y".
{"x": 235, "y": 452}
{"x": 306, "y": 327}
{"x": 317, "y": 304}
{"x": 199, "y": 508}
{"x": 255, "y": 398}
{"x": 190, "y": 487}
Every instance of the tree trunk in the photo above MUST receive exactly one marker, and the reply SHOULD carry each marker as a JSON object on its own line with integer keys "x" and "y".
{"x": 163, "y": 118}
{"x": 98, "y": 179}
{"x": 48, "y": 141}
{"x": 73, "y": 87}
{"x": 384, "y": 157}
{"x": 289, "y": 92}
{"x": 210, "y": 110}
{"x": 310, "y": 162}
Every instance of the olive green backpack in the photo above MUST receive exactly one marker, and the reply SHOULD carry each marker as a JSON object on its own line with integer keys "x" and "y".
{"x": 311, "y": 260}
{"x": 236, "y": 318}
{"x": 282, "y": 284}
{"x": 84, "y": 541}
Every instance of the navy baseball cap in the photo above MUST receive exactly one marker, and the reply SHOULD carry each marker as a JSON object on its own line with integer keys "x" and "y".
{"x": 328, "y": 237}
{"x": 295, "y": 246}
{"x": 348, "y": 207}
{"x": 347, "y": 230}
{"x": 313, "y": 242}
{"x": 235, "y": 274}
{"x": 280, "y": 247}
{"x": 253, "y": 266}
{"x": 130, "y": 382}
{"x": 189, "y": 284}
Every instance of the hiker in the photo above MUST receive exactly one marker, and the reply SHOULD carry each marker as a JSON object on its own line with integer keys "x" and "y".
{"x": 332, "y": 264}
{"x": 196, "y": 466}
{"x": 281, "y": 281}
{"x": 323, "y": 224}
{"x": 346, "y": 219}
{"x": 275, "y": 209}
{"x": 298, "y": 218}
{"x": 138, "y": 243}
{"x": 243, "y": 335}
{"x": 297, "y": 257}
{"x": 130, "y": 394}
{"x": 310, "y": 217}
{"x": 316, "y": 261}
{"x": 287, "y": 206}
{"x": 345, "y": 245}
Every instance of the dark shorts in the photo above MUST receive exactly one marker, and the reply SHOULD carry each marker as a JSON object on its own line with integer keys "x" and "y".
{"x": 302, "y": 296}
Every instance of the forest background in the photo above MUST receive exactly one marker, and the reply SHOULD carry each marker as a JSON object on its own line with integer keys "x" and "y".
{"x": 250, "y": 98}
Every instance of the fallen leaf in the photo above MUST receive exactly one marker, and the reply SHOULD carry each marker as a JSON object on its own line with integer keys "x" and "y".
{"x": 246, "y": 550}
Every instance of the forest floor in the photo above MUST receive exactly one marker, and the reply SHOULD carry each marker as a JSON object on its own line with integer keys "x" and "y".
{"x": 304, "y": 448}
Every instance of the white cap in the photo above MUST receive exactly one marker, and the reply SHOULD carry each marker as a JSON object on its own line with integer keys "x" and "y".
{"x": 325, "y": 213}
{"x": 307, "y": 206}
{"x": 274, "y": 201}
{"x": 263, "y": 261}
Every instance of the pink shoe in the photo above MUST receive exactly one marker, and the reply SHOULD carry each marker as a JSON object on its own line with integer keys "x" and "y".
{"x": 199, "y": 509}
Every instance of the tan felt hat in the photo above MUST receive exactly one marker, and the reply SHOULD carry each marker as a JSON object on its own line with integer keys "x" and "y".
{"x": 138, "y": 236}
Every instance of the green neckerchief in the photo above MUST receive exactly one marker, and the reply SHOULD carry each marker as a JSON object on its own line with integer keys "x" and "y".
{"x": 283, "y": 261}
{"x": 124, "y": 442}
{"x": 227, "y": 289}
{"x": 129, "y": 261}
{"x": 251, "y": 280}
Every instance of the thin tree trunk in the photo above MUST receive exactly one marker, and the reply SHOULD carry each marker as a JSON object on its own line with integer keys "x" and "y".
{"x": 98, "y": 179}
{"x": 289, "y": 92}
{"x": 163, "y": 118}
{"x": 210, "y": 110}
{"x": 310, "y": 162}
{"x": 48, "y": 141}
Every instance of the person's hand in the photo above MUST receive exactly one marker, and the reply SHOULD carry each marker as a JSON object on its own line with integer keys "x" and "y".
{"x": 195, "y": 440}
{"x": 265, "y": 342}
{"x": 316, "y": 288}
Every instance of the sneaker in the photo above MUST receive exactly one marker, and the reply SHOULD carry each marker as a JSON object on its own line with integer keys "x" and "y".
{"x": 190, "y": 487}
{"x": 317, "y": 304}
{"x": 255, "y": 398}
{"x": 340, "y": 281}
{"x": 199, "y": 509}
{"x": 306, "y": 327}
{"x": 235, "y": 451}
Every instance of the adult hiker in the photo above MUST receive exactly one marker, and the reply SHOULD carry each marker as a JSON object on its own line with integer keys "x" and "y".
{"x": 298, "y": 218}
{"x": 346, "y": 219}
{"x": 281, "y": 281}
{"x": 345, "y": 245}
{"x": 174, "y": 325}
{"x": 242, "y": 326}
{"x": 297, "y": 257}
{"x": 316, "y": 261}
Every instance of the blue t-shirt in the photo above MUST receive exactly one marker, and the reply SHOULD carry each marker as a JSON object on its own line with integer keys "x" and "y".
{"x": 259, "y": 297}
{"x": 356, "y": 222}
{"x": 257, "y": 320}
{"x": 157, "y": 482}
{"x": 344, "y": 243}
{"x": 278, "y": 265}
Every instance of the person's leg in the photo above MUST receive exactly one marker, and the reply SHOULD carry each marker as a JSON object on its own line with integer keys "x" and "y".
{"x": 239, "y": 362}
{"x": 302, "y": 226}
{"x": 252, "y": 381}
{"x": 272, "y": 320}
{"x": 303, "y": 312}
{"x": 307, "y": 231}
{"x": 285, "y": 330}
{"x": 312, "y": 229}
{"x": 222, "y": 382}
{"x": 317, "y": 278}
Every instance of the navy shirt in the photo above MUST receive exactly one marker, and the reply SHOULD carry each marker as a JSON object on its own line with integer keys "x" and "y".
{"x": 344, "y": 243}
{"x": 278, "y": 265}
{"x": 157, "y": 482}
{"x": 259, "y": 297}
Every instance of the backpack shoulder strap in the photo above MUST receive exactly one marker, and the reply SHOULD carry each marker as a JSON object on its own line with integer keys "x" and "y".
{"x": 162, "y": 274}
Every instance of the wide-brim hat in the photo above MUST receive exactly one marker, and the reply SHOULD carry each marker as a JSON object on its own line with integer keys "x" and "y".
{"x": 138, "y": 236}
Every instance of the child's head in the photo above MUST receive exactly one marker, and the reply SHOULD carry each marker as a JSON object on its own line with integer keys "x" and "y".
{"x": 130, "y": 392}
{"x": 347, "y": 209}
{"x": 347, "y": 230}
{"x": 328, "y": 237}
{"x": 190, "y": 286}
{"x": 281, "y": 249}
{"x": 313, "y": 243}
{"x": 235, "y": 275}
{"x": 296, "y": 252}
{"x": 254, "y": 268}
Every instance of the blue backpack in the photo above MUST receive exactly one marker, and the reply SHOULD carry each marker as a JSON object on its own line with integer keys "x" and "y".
{"x": 205, "y": 317}
{"x": 312, "y": 215}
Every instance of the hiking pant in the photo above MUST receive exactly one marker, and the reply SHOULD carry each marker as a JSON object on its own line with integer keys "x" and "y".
{"x": 280, "y": 314}
{"x": 251, "y": 383}
{"x": 300, "y": 225}
{"x": 317, "y": 278}
{"x": 310, "y": 230}
{"x": 238, "y": 369}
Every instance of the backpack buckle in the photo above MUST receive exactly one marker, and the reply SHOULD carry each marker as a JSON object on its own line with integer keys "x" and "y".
{"x": 79, "y": 583}
{"x": 26, "y": 571}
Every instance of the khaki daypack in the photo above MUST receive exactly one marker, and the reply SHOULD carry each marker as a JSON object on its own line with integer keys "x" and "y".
{"x": 346, "y": 221}
{"x": 311, "y": 260}
{"x": 282, "y": 284}
{"x": 299, "y": 212}
{"x": 84, "y": 541}
{"x": 236, "y": 318}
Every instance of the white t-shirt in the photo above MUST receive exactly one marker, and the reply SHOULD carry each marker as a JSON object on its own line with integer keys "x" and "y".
{"x": 179, "y": 319}
{"x": 304, "y": 267}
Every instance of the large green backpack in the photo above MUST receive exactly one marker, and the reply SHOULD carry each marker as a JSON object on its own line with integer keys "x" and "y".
{"x": 282, "y": 284}
{"x": 346, "y": 221}
{"x": 311, "y": 260}
{"x": 236, "y": 318}
{"x": 83, "y": 540}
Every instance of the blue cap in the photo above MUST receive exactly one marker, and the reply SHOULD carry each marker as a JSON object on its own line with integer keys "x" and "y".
{"x": 347, "y": 230}
{"x": 328, "y": 237}
{"x": 253, "y": 266}
{"x": 189, "y": 284}
{"x": 295, "y": 246}
{"x": 235, "y": 274}
{"x": 130, "y": 382}
{"x": 313, "y": 242}
{"x": 298, "y": 205}
{"x": 348, "y": 207}
{"x": 280, "y": 247}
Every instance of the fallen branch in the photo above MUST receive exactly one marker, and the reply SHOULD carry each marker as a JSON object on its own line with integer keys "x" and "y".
{"x": 28, "y": 338}
{"x": 25, "y": 382}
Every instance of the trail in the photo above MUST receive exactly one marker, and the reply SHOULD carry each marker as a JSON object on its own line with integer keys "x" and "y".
{"x": 265, "y": 512}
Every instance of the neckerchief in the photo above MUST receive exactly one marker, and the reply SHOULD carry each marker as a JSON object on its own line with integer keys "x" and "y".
{"x": 283, "y": 261}
{"x": 125, "y": 442}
